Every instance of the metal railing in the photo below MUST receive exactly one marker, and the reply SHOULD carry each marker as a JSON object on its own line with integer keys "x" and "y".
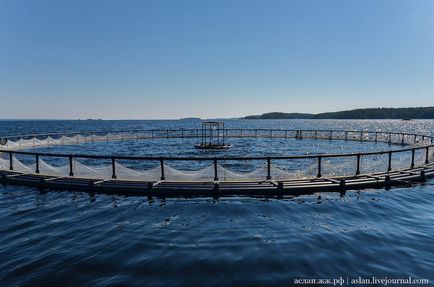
{"x": 299, "y": 134}
{"x": 237, "y": 132}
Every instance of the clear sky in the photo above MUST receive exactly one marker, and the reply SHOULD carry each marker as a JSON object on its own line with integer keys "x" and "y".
{"x": 169, "y": 59}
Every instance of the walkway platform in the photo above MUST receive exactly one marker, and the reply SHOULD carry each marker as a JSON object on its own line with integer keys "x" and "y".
{"x": 266, "y": 188}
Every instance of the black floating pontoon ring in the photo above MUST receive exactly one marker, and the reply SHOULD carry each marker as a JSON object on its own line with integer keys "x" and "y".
{"x": 411, "y": 163}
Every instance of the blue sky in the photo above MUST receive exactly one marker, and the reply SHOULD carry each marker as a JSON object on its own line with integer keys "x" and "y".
{"x": 170, "y": 59}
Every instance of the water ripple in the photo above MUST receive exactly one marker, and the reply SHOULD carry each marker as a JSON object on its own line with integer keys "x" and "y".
{"x": 49, "y": 238}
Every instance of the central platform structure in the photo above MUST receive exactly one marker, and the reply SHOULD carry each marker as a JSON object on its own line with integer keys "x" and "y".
{"x": 213, "y": 136}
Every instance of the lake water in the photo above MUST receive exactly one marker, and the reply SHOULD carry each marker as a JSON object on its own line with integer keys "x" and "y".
{"x": 50, "y": 237}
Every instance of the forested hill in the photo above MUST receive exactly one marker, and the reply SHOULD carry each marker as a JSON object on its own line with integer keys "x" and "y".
{"x": 278, "y": 115}
{"x": 375, "y": 113}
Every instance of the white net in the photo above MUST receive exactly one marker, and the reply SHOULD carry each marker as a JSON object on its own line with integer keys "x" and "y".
{"x": 62, "y": 140}
{"x": 308, "y": 168}
{"x": 30, "y": 142}
{"x": 368, "y": 165}
{"x": 4, "y": 164}
{"x": 45, "y": 168}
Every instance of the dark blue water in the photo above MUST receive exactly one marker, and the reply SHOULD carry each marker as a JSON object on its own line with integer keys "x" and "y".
{"x": 52, "y": 238}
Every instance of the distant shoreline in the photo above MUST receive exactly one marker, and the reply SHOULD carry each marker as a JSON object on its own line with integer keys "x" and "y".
{"x": 425, "y": 113}
{"x": 414, "y": 113}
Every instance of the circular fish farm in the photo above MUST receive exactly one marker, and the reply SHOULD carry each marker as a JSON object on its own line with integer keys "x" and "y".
{"x": 177, "y": 163}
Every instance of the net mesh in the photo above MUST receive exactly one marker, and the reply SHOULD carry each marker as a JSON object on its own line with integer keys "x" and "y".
{"x": 23, "y": 143}
{"x": 287, "y": 169}
{"x": 368, "y": 165}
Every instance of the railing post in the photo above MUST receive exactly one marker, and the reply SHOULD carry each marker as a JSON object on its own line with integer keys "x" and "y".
{"x": 113, "y": 167}
{"x": 346, "y": 135}
{"x": 11, "y": 164}
{"x": 422, "y": 175}
{"x": 427, "y": 155}
{"x": 162, "y": 169}
{"x": 412, "y": 158}
{"x": 387, "y": 181}
{"x": 316, "y": 135}
{"x": 37, "y": 164}
{"x": 358, "y": 165}
{"x": 268, "y": 168}
{"x": 389, "y": 167}
{"x": 376, "y": 136}
{"x": 361, "y": 136}
{"x": 342, "y": 184}
{"x": 167, "y": 134}
{"x": 71, "y": 172}
{"x": 402, "y": 139}
{"x": 319, "y": 174}
{"x": 390, "y": 138}
{"x": 215, "y": 170}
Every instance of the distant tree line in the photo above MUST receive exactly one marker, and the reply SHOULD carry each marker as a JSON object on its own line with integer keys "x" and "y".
{"x": 372, "y": 113}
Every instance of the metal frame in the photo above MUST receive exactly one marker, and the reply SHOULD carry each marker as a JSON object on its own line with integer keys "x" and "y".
{"x": 212, "y": 136}
{"x": 383, "y": 179}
